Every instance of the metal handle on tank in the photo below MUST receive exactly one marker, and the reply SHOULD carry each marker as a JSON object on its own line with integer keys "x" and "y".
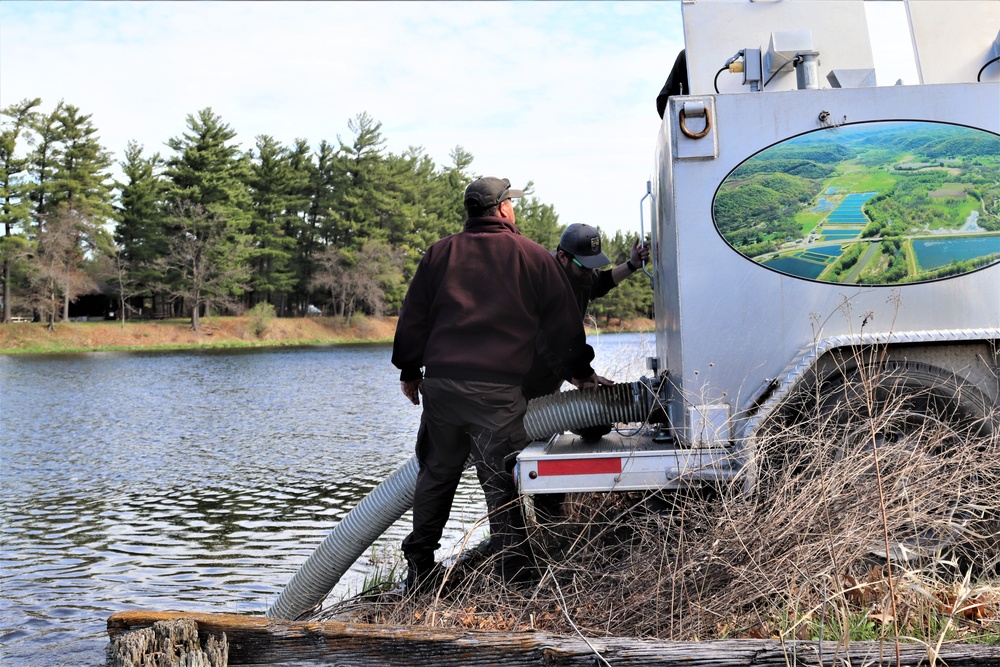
{"x": 697, "y": 109}
{"x": 642, "y": 227}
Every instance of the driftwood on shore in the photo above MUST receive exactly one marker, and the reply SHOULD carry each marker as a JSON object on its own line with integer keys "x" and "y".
{"x": 256, "y": 640}
{"x": 168, "y": 643}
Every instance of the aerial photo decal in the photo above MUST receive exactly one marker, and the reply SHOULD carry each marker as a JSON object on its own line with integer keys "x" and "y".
{"x": 878, "y": 203}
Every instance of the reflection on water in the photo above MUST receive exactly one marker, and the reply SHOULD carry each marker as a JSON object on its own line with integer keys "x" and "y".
{"x": 197, "y": 481}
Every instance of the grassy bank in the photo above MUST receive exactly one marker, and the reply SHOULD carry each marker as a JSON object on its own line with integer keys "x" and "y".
{"x": 34, "y": 338}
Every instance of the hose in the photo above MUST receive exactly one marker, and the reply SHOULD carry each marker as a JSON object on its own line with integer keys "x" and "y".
{"x": 571, "y": 410}
{"x": 390, "y": 500}
{"x": 348, "y": 540}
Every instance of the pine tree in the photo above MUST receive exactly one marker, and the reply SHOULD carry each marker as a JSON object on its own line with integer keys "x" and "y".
{"x": 633, "y": 297}
{"x": 81, "y": 176}
{"x": 72, "y": 195}
{"x": 82, "y": 185}
{"x": 302, "y": 173}
{"x": 272, "y": 183}
{"x": 329, "y": 180}
{"x": 15, "y": 188}
{"x": 453, "y": 182}
{"x": 207, "y": 178}
{"x": 439, "y": 195}
{"x": 538, "y": 221}
{"x": 320, "y": 219}
{"x": 369, "y": 202}
{"x": 43, "y": 159}
{"x": 141, "y": 233}
{"x": 407, "y": 178}
{"x": 443, "y": 210}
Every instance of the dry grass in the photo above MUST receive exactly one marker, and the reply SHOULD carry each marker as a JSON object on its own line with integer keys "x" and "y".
{"x": 803, "y": 557}
{"x": 177, "y": 334}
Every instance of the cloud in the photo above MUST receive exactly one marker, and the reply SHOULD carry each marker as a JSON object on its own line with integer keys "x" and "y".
{"x": 561, "y": 93}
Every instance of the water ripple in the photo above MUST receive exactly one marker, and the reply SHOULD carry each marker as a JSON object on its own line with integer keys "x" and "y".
{"x": 197, "y": 481}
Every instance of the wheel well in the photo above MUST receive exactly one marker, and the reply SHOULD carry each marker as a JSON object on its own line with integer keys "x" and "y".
{"x": 975, "y": 364}
{"x": 919, "y": 420}
{"x": 961, "y": 379}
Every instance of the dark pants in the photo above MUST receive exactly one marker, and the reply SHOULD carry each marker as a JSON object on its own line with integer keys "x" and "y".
{"x": 463, "y": 418}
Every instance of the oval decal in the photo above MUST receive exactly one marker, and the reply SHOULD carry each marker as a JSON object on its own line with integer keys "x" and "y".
{"x": 876, "y": 203}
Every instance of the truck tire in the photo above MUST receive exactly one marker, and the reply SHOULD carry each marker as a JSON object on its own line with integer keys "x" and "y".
{"x": 907, "y": 436}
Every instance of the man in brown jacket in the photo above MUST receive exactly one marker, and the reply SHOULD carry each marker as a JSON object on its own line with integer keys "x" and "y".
{"x": 469, "y": 320}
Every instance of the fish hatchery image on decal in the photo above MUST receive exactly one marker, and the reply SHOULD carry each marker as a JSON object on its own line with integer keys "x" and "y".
{"x": 877, "y": 203}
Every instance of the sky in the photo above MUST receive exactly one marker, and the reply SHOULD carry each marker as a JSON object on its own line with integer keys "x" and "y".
{"x": 558, "y": 93}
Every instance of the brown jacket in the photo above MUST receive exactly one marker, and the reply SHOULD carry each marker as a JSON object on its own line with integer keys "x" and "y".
{"x": 476, "y": 304}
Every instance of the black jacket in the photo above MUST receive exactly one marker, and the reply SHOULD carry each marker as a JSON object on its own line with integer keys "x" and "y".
{"x": 547, "y": 372}
{"x": 476, "y": 304}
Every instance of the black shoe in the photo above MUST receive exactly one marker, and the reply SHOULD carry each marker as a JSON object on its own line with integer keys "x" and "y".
{"x": 423, "y": 579}
{"x": 515, "y": 570}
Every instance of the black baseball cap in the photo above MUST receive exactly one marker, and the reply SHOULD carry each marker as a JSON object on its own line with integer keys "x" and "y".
{"x": 584, "y": 243}
{"x": 488, "y": 191}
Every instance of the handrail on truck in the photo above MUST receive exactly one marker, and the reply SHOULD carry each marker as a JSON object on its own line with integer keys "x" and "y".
{"x": 642, "y": 228}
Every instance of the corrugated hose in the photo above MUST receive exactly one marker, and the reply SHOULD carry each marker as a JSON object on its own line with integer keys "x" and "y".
{"x": 348, "y": 540}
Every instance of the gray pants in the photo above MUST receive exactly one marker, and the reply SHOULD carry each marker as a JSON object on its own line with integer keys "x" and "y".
{"x": 460, "y": 418}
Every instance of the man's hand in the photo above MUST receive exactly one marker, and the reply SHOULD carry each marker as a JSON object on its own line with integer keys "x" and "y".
{"x": 594, "y": 380}
{"x": 640, "y": 253}
{"x": 411, "y": 389}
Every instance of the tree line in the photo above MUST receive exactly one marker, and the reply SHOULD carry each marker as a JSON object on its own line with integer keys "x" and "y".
{"x": 211, "y": 228}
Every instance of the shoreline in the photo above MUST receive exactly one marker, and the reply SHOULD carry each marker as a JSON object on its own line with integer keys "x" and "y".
{"x": 218, "y": 333}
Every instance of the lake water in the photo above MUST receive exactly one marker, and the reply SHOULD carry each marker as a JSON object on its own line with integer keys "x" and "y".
{"x": 935, "y": 253}
{"x": 194, "y": 481}
{"x": 796, "y": 266}
{"x": 850, "y": 210}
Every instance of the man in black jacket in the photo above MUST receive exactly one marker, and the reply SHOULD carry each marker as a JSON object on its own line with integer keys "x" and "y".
{"x": 580, "y": 255}
{"x": 470, "y": 318}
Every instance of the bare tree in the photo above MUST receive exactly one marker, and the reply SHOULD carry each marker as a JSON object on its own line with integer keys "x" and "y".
{"x": 330, "y": 277}
{"x": 59, "y": 271}
{"x": 116, "y": 271}
{"x": 206, "y": 265}
{"x": 378, "y": 269}
{"x": 359, "y": 279}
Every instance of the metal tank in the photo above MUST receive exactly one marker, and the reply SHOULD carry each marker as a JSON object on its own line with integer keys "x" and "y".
{"x": 806, "y": 212}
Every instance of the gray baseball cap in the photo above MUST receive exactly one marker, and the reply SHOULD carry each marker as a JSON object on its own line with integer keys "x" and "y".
{"x": 584, "y": 243}
{"x": 488, "y": 191}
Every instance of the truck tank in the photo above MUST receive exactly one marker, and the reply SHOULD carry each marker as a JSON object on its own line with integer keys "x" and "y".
{"x": 824, "y": 243}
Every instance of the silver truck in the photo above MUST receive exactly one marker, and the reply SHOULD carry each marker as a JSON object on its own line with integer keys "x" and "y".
{"x": 824, "y": 242}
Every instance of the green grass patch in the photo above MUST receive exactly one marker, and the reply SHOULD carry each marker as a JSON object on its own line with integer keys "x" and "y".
{"x": 808, "y": 220}
{"x": 864, "y": 180}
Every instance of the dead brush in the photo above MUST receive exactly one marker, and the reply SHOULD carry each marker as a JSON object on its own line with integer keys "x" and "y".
{"x": 848, "y": 535}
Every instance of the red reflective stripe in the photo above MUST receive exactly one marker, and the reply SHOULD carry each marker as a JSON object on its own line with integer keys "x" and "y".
{"x": 580, "y": 466}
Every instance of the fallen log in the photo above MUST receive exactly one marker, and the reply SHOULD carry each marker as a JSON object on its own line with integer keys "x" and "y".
{"x": 257, "y": 640}
{"x": 167, "y": 643}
